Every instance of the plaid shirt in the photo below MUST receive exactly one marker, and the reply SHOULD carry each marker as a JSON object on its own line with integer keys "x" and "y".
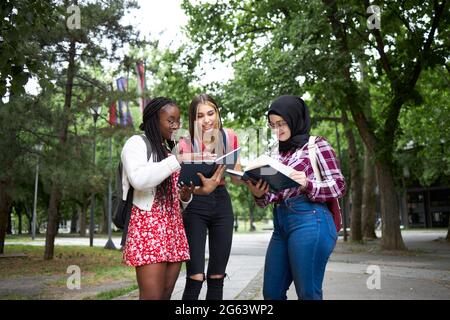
{"x": 332, "y": 184}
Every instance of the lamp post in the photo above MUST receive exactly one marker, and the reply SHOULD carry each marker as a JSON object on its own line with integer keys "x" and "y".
{"x": 344, "y": 209}
{"x": 33, "y": 223}
{"x": 95, "y": 111}
{"x": 110, "y": 244}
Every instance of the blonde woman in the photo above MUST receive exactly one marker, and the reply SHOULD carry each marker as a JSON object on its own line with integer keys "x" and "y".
{"x": 208, "y": 214}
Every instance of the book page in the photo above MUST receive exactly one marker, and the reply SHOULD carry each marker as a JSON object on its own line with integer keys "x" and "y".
{"x": 234, "y": 172}
{"x": 265, "y": 160}
{"x": 261, "y": 161}
{"x": 226, "y": 155}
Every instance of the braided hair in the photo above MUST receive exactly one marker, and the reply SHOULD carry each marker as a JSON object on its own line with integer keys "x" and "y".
{"x": 150, "y": 126}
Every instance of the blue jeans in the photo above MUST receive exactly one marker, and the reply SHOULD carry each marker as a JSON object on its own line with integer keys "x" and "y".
{"x": 303, "y": 239}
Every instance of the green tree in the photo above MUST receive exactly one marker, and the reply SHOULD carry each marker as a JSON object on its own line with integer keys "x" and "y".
{"x": 21, "y": 57}
{"x": 68, "y": 89}
{"x": 322, "y": 41}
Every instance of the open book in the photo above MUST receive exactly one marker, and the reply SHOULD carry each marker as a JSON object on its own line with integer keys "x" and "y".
{"x": 189, "y": 168}
{"x": 270, "y": 170}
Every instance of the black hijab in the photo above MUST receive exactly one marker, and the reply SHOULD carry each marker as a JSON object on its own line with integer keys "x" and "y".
{"x": 294, "y": 111}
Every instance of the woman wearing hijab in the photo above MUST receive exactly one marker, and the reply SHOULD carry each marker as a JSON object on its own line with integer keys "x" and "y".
{"x": 304, "y": 232}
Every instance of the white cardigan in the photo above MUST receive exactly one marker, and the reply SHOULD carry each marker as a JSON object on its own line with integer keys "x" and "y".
{"x": 144, "y": 175}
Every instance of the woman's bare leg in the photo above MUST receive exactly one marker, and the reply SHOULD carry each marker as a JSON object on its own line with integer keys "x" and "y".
{"x": 151, "y": 281}
{"x": 172, "y": 273}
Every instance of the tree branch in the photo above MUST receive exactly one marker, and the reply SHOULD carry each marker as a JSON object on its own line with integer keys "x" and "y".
{"x": 404, "y": 90}
{"x": 254, "y": 13}
{"x": 95, "y": 83}
{"x": 363, "y": 124}
{"x": 254, "y": 30}
{"x": 403, "y": 20}
{"x": 380, "y": 48}
{"x": 424, "y": 54}
{"x": 332, "y": 119}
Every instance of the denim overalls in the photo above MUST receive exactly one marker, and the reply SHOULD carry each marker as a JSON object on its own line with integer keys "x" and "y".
{"x": 303, "y": 238}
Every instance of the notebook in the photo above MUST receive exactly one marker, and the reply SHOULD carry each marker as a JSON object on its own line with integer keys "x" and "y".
{"x": 189, "y": 168}
{"x": 270, "y": 170}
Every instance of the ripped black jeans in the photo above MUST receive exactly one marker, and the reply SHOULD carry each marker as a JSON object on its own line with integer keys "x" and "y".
{"x": 210, "y": 215}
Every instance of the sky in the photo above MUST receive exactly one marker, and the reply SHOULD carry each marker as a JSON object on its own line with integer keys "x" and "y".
{"x": 164, "y": 21}
{"x": 160, "y": 19}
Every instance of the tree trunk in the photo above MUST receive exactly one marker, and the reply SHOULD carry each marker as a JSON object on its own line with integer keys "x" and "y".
{"x": 5, "y": 208}
{"x": 355, "y": 181}
{"x": 19, "y": 216}
{"x": 448, "y": 232}
{"x": 251, "y": 216}
{"x": 52, "y": 223}
{"x": 73, "y": 220}
{"x": 104, "y": 223}
{"x": 9, "y": 228}
{"x": 82, "y": 215}
{"x": 29, "y": 215}
{"x": 391, "y": 238}
{"x": 368, "y": 203}
{"x": 55, "y": 194}
{"x": 29, "y": 218}
{"x": 368, "y": 213}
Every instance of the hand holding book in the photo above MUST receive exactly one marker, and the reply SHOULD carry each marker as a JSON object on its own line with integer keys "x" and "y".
{"x": 206, "y": 164}
{"x": 186, "y": 192}
{"x": 299, "y": 177}
{"x": 259, "y": 189}
{"x": 276, "y": 174}
{"x": 208, "y": 184}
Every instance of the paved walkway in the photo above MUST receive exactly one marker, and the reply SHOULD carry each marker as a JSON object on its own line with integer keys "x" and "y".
{"x": 421, "y": 273}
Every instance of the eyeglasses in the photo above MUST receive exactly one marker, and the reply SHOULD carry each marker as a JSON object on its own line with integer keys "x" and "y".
{"x": 278, "y": 124}
{"x": 174, "y": 124}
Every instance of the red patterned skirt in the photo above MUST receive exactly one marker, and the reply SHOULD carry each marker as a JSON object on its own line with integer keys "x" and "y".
{"x": 157, "y": 235}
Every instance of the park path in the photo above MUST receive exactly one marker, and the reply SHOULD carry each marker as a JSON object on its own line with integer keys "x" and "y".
{"x": 421, "y": 273}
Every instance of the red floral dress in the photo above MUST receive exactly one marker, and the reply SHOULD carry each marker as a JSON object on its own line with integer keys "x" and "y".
{"x": 157, "y": 235}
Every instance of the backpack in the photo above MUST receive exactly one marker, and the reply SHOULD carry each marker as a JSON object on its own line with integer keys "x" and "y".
{"x": 333, "y": 205}
{"x": 122, "y": 208}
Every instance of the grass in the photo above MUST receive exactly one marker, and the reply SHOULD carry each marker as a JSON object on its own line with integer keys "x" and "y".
{"x": 95, "y": 263}
{"x": 14, "y": 297}
{"x": 111, "y": 294}
{"x": 357, "y": 247}
{"x": 25, "y": 237}
{"x": 261, "y": 226}
{"x": 99, "y": 267}
{"x": 373, "y": 247}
